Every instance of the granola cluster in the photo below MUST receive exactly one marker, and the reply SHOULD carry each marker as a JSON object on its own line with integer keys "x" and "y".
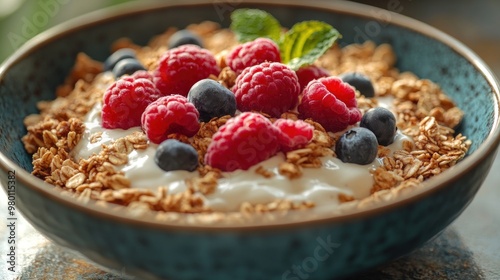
{"x": 424, "y": 112}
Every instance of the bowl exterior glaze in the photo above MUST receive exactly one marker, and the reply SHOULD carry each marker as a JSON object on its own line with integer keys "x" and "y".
{"x": 316, "y": 250}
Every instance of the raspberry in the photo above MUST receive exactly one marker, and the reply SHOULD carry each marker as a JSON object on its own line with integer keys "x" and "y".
{"x": 181, "y": 67}
{"x": 242, "y": 142}
{"x": 330, "y": 102}
{"x": 125, "y": 100}
{"x": 168, "y": 115}
{"x": 142, "y": 74}
{"x": 270, "y": 87}
{"x": 309, "y": 73}
{"x": 293, "y": 134}
{"x": 253, "y": 53}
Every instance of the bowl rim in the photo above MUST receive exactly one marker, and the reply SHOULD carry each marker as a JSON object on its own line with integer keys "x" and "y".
{"x": 428, "y": 188}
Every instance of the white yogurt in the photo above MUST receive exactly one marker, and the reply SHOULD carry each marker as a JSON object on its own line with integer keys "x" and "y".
{"x": 318, "y": 185}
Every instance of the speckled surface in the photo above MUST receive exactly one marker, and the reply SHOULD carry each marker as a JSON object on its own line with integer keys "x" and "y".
{"x": 468, "y": 249}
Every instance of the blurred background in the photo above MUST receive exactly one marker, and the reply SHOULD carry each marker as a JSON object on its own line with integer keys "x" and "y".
{"x": 468, "y": 249}
{"x": 476, "y": 23}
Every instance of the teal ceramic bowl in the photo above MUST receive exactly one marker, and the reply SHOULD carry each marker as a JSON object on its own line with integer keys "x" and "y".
{"x": 322, "y": 248}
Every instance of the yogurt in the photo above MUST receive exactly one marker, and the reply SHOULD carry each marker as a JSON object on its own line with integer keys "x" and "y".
{"x": 320, "y": 186}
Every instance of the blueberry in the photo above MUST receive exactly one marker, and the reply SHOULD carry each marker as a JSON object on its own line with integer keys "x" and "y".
{"x": 382, "y": 123}
{"x": 173, "y": 154}
{"x": 212, "y": 99}
{"x": 359, "y": 81}
{"x": 127, "y": 66}
{"x": 115, "y": 57}
{"x": 184, "y": 37}
{"x": 357, "y": 145}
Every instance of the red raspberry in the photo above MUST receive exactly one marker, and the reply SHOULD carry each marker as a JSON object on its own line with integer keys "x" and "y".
{"x": 270, "y": 87}
{"x": 170, "y": 114}
{"x": 242, "y": 142}
{"x": 143, "y": 74}
{"x": 309, "y": 73}
{"x": 125, "y": 100}
{"x": 293, "y": 134}
{"x": 330, "y": 102}
{"x": 253, "y": 53}
{"x": 182, "y": 67}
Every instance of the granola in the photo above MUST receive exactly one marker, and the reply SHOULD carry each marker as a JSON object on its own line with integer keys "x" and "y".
{"x": 424, "y": 113}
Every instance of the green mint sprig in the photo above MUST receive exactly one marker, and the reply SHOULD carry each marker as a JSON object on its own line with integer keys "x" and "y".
{"x": 250, "y": 24}
{"x": 303, "y": 44}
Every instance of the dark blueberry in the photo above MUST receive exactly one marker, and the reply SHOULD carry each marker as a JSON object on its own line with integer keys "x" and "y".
{"x": 175, "y": 155}
{"x": 120, "y": 54}
{"x": 357, "y": 145}
{"x": 382, "y": 123}
{"x": 127, "y": 66}
{"x": 184, "y": 37}
{"x": 359, "y": 81}
{"x": 212, "y": 99}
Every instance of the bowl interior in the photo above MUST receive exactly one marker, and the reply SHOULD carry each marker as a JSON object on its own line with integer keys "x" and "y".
{"x": 35, "y": 71}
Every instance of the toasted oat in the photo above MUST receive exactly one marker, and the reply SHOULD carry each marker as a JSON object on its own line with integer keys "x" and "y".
{"x": 96, "y": 137}
{"x": 117, "y": 158}
{"x": 186, "y": 202}
{"x": 435, "y": 150}
{"x": 76, "y": 180}
{"x": 264, "y": 172}
{"x": 139, "y": 140}
{"x": 345, "y": 198}
{"x": 204, "y": 136}
{"x": 207, "y": 183}
{"x": 227, "y": 77}
{"x": 290, "y": 170}
{"x": 85, "y": 69}
{"x": 277, "y": 205}
{"x": 385, "y": 180}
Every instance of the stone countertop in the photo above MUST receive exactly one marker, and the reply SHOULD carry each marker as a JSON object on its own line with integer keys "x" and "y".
{"x": 467, "y": 249}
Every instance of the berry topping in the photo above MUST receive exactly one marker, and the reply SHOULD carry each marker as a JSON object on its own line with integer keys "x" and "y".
{"x": 184, "y": 37}
{"x": 115, "y": 57}
{"x": 359, "y": 81}
{"x": 253, "y": 53}
{"x": 242, "y": 142}
{"x": 382, "y": 123}
{"x": 168, "y": 115}
{"x": 180, "y": 68}
{"x": 293, "y": 134}
{"x": 143, "y": 74}
{"x": 330, "y": 102}
{"x": 127, "y": 66}
{"x": 176, "y": 155}
{"x": 357, "y": 145}
{"x": 125, "y": 100}
{"x": 309, "y": 73}
{"x": 271, "y": 88}
{"x": 212, "y": 99}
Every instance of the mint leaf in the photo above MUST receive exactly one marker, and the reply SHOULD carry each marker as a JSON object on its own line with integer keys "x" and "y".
{"x": 305, "y": 42}
{"x": 250, "y": 24}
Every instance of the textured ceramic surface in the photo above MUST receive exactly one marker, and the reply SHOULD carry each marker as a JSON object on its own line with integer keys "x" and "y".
{"x": 313, "y": 250}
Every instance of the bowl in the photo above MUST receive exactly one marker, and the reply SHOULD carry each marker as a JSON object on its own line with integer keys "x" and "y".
{"x": 321, "y": 248}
